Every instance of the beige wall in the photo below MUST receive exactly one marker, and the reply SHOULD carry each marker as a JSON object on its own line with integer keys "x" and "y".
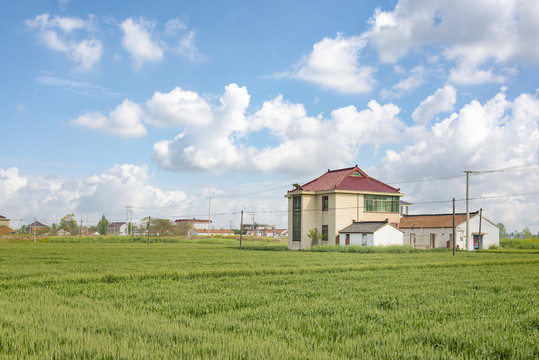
{"x": 344, "y": 208}
{"x": 394, "y": 218}
{"x": 4, "y": 222}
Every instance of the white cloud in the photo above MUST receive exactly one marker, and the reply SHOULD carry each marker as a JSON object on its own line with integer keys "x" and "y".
{"x": 187, "y": 47}
{"x": 442, "y": 100}
{"x": 218, "y": 145}
{"x": 137, "y": 40}
{"x": 405, "y": 86}
{"x": 334, "y": 64}
{"x": 178, "y": 108}
{"x": 494, "y": 135}
{"x": 58, "y": 33}
{"x": 77, "y": 87}
{"x": 502, "y": 32}
{"x": 108, "y": 193}
{"x": 174, "y": 26}
{"x": 125, "y": 120}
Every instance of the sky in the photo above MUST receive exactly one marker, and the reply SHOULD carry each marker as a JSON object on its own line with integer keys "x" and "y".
{"x": 182, "y": 109}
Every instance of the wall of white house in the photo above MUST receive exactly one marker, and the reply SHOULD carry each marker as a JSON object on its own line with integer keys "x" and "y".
{"x": 357, "y": 239}
{"x": 490, "y": 235}
{"x": 384, "y": 236}
{"x": 388, "y": 235}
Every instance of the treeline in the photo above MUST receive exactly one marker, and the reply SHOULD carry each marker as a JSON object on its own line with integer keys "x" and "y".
{"x": 523, "y": 234}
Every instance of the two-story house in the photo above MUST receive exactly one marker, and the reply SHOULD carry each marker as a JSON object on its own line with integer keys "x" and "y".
{"x": 335, "y": 200}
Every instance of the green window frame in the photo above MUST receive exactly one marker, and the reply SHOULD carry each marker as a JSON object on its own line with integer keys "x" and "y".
{"x": 296, "y": 218}
{"x": 381, "y": 203}
{"x": 325, "y": 203}
{"x": 325, "y": 232}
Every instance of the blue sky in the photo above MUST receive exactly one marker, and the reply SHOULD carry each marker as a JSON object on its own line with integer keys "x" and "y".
{"x": 161, "y": 105}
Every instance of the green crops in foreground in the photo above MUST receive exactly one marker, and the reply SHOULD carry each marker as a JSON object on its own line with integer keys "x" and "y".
{"x": 125, "y": 301}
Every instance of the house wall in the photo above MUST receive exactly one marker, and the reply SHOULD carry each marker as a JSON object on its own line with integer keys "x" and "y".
{"x": 309, "y": 220}
{"x": 343, "y": 209}
{"x": 394, "y": 218}
{"x": 388, "y": 235}
{"x": 491, "y": 234}
{"x": 356, "y": 239}
{"x": 384, "y": 236}
{"x": 4, "y": 222}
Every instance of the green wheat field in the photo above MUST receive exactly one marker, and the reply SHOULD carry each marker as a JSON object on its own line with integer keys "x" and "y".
{"x": 211, "y": 300}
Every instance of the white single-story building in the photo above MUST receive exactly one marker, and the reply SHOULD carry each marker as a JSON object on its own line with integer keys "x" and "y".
{"x": 370, "y": 233}
{"x": 429, "y": 231}
{"x": 197, "y": 224}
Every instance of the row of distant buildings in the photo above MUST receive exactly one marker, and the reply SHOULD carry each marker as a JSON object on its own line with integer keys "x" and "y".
{"x": 348, "y": 207}
{"x": 198, "y": 227}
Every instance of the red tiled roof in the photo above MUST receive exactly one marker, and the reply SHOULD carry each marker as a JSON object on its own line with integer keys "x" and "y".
{"x": 342, "y": 179}
{"x": 432, "y": 221}
{"x": 2, "y": 217}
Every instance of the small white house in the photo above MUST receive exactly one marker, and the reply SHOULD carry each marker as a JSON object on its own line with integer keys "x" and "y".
{"x": 436, "y": 231}
{"x": 197, "y": 224}
{"x": 370, "y": 233}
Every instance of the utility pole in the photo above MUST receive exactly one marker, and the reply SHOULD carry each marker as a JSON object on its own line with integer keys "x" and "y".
{"x": 209, "y": 216}
{"x": 149, "y": 219}
{"x": 34, "y": 225}
{"x": 479, "y": 238}
{"x": 469, "y": 244}
{"x": 80, "y": 230}
{"x": 241, "y": 227}
{"x": 454, "y": 239}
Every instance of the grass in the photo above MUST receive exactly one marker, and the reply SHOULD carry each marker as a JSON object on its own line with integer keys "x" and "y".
{"x": 532, "y": 243}
{"x": 209, "y": 299}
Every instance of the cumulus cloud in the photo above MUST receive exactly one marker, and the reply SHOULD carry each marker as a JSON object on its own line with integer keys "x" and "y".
{"x": 486, "y": 33}
{"x": 125, "y": 120}
{"x": 138, "y": 41}
{"x": 106, "y": 193}
{"x": 497, "y": 134}
{"x": 334, "y": 64}
{"x": 178, "y": 107}
{"x": 442, "y": 100}
{"x": 61, "y": 34}
{"x": 298, "y": 137}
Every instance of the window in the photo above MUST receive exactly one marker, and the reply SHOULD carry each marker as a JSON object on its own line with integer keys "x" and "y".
{"x": 325, "y": 233}
{"x": 364, "y": 240}
{"x": 325, "y": 203}
{"x": 412, "y": 239}
{"x": 296, "y": 218}
{"x": 381, "y": 203}
{"x": 347, "y": 239}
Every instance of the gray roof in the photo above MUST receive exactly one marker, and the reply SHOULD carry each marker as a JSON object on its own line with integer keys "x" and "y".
{"x": 364, "y": 227}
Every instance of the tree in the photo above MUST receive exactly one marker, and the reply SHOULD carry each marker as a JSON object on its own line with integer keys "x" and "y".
{"x": 315, "y": 236}
{"x": 182, "y": 228}
{"x": 103, "y": 225}
{"x": 158, "y": 227}
{"x": 503, "y": 232}
{"x": 526, "y": 233}
{"x": 69, "y": 224}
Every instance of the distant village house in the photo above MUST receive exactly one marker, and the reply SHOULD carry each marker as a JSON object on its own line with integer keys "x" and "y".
{"x": 4, "y": 226}
{"x": 429, "y": 231}
{"x": 335, "y": 200}
{"x": 117, "y": 228}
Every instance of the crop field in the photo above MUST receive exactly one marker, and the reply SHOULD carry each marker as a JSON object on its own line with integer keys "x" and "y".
{"x": 210, "y": 300}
